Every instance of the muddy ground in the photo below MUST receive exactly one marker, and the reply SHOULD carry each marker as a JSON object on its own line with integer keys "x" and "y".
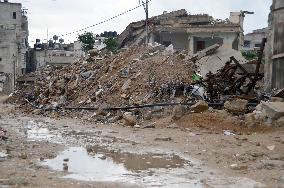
{"x": 46, "y": 152}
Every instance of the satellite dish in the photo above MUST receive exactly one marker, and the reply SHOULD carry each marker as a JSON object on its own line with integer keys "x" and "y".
{"x": 55, "y": 38}
{"x": 61, "y": 41}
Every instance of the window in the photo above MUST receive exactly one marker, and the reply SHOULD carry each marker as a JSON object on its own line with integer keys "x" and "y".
{"x": 14, "y": 15}
{"x": 257, "y": 45}
{"x": 0, "y": 59}
{"x": 247, "y": 44}
{"x": 200, "y": 45}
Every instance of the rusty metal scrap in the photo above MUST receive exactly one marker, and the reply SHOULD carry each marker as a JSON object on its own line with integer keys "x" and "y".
{"x": 233, "y": 79}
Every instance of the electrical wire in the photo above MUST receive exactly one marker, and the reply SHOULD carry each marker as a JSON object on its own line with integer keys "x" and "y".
{"x": 107, "y": 20}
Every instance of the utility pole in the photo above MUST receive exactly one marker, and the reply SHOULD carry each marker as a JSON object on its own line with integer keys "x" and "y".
{"x": 146, "y": 8}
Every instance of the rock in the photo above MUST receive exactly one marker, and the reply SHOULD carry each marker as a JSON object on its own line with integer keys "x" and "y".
{"x": 148, "y": 115}
{"x": 126, "y": 85}
{"x": 23, "y": 156}
{"x": 276, "y": 157}
{"x": 236, "y": 106}
{"x": 199, "y": 107}
{"x": 271, "y": 148}
{"x": 66, "y": 160}
{"x": 178, "y": 112}
{"x": 238, "y": 167}
{"x": 129, "y": 119}
{"x": 65, "y": 167}
{"x": 273, "y": 110}
{"x": 137, "y": 126}
{"x": 87, "y": 75}
{"x": 164, "y": 139}
{"x": 276, "y": 99}
{"x": 270, "y": 164}
{"x": 280, "y": 122}
{"x": 103, "y": 157}
{"x": 149, "y": 126}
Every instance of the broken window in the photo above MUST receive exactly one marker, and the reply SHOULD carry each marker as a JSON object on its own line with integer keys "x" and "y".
{"x": 247, "y": 43}
{"x": 14, "y": 15}
{"x": 200, "y": 45}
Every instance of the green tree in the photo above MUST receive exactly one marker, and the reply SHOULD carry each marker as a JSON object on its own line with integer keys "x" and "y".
{"x": 111, "y": 44}
{"x": 251, "y": 55}
{"x": 88, "y": 40}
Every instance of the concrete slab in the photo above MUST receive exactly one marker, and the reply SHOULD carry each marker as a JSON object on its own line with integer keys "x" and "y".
{"x": 273, "y": 110}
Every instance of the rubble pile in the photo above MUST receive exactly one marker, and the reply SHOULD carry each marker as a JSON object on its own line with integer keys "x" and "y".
{"x": 135, "y": 76}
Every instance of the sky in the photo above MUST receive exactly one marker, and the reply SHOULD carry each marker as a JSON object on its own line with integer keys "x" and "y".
{"x": 59, "y": 17}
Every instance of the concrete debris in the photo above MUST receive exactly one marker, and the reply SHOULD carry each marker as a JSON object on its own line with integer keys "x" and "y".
{"x": 236, "y": 106}
{"x": 217, "y": 60}
{"x": 129, "y": 119}
{"x": 166, "y": 139}
{"x": 273, "y": 110}
{"x": 3, "y": 134}
{"x": 200, "y": 106}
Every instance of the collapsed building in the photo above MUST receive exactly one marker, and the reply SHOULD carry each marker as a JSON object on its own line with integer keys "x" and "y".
{"x": 187, "y": 32}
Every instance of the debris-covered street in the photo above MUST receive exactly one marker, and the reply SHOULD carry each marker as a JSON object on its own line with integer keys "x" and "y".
{"x": 47, "y": 152}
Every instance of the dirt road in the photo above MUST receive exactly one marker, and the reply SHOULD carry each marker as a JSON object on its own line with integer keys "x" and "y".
{"x": 45, "y": 152}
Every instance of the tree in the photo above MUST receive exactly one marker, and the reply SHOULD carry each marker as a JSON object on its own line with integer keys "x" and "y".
{"x": 111, "y": 44}
{"x": 88, "y": 40}
{"x": 250, "y": 55}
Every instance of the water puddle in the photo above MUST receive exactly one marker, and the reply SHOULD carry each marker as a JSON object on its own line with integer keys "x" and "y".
{"x": 82, "y": 166}
{"x": 99, "y": 165}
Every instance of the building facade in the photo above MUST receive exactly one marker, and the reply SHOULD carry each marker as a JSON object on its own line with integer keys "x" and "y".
{"x": 253, "y": 40}
{"x": 13, "y": 44}
{"x": 274, "y": 64}
{"x": 187, "y": 32}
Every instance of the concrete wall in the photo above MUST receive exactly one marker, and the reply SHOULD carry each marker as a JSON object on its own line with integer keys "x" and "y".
{"x": 53, "y": 57}
{"x": 13, "y": 42}
{"x": 228, "y": 40}
{"x": 179, "y": 40}
{"x": 254, "y": 40}
{"x": 274, "y": 67}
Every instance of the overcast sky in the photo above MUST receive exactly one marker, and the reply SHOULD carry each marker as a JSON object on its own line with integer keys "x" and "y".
{"x": 64, "y": 16}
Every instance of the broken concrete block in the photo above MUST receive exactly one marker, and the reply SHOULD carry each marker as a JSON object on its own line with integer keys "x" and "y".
{"x": 273, "y": 110}
{"x": 280, "y": 122}
{"x": 129, "y": 119}
{"x": 178, "y": 112}
{"x": 126, "y": 85}
{"x": 199, "y": 107}
{"x": 236, "y": 106}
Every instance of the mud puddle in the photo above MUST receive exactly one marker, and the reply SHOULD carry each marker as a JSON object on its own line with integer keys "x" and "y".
{"x": 146, "y": 170}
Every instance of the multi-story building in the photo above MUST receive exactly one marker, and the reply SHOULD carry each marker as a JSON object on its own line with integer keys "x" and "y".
{"x": 13, "y": 44}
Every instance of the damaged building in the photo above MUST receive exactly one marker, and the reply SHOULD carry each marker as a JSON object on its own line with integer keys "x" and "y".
{"x": 188, "y": 32}
{"x": 13, "y": 44}
{"x": 274, "y": 67}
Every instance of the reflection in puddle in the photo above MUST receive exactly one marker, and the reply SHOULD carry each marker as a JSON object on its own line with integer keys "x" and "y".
{"x": 87, "y": 168}
{"x": 138, "y": 162}
{"x": 152, "y": 170}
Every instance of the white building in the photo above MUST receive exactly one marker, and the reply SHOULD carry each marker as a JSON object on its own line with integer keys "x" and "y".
{"x": 253, "y": 40}
{"x": 13, "y": 44}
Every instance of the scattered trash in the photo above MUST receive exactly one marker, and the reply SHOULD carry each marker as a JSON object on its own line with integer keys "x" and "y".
{"x": 271, "y": 148}
{"x": 228, "y": 133}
